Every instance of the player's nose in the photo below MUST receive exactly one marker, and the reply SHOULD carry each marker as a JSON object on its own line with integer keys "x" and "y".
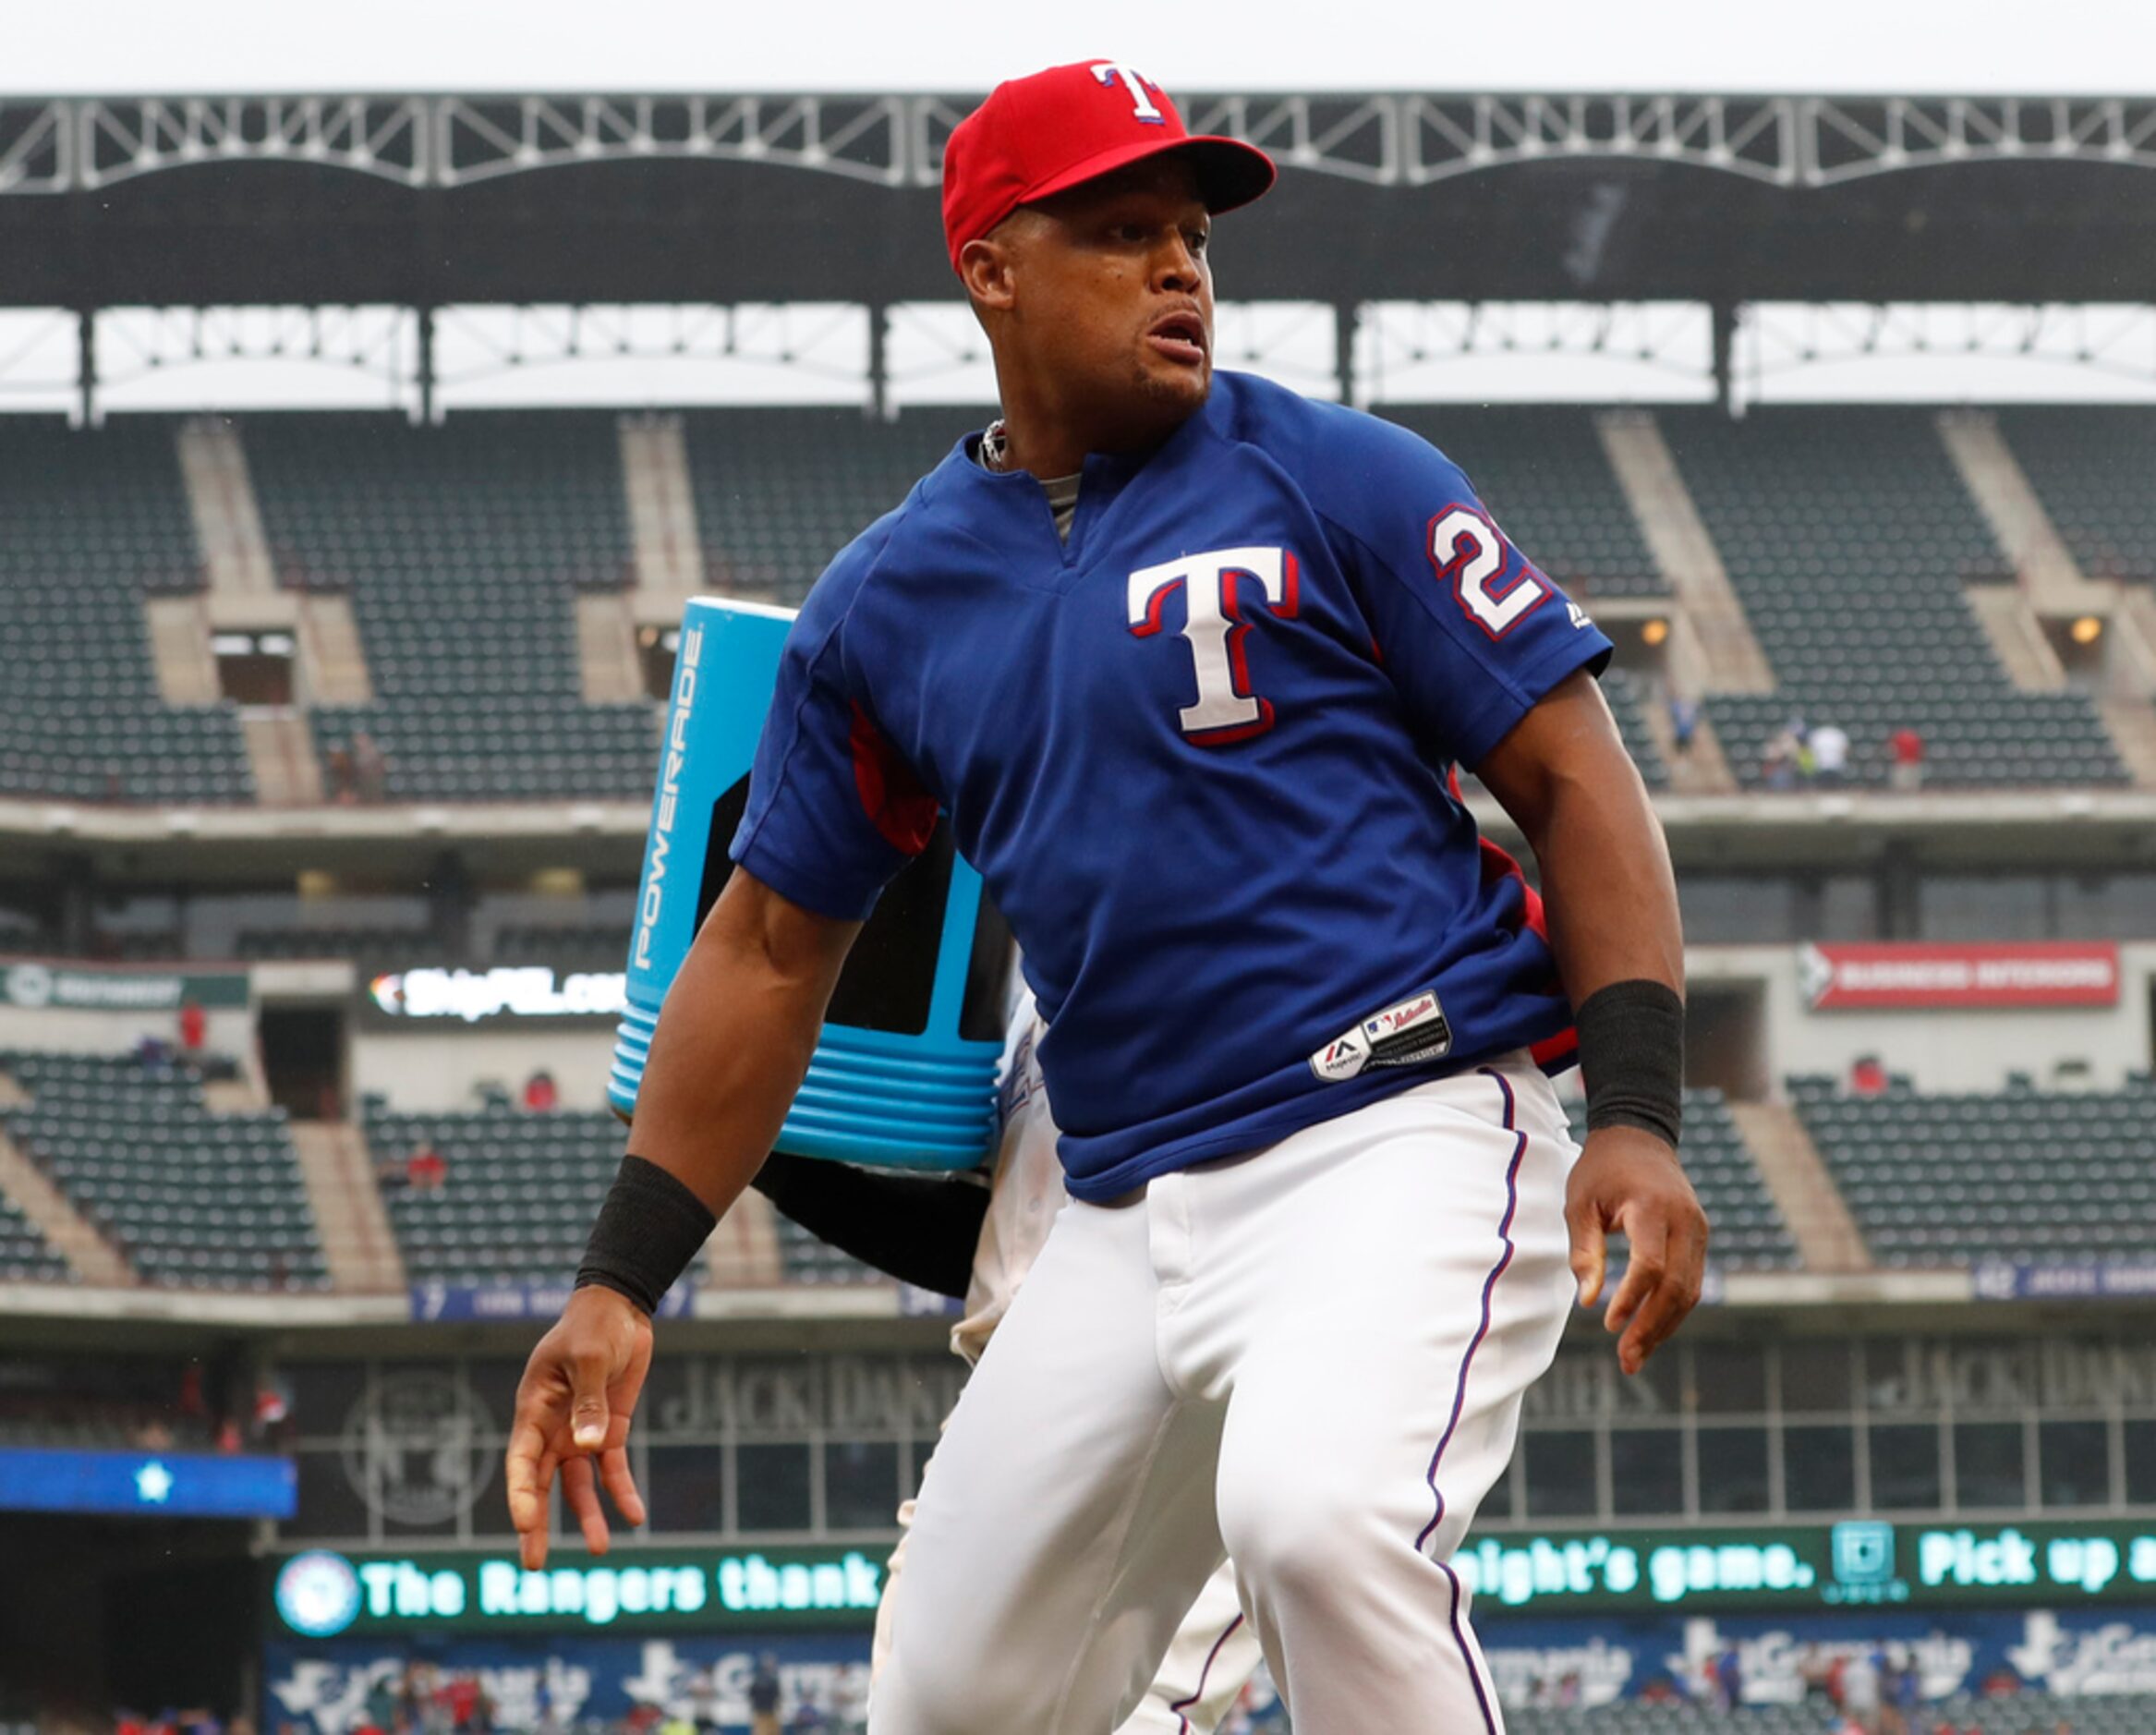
{"x": 1176, "y": 265}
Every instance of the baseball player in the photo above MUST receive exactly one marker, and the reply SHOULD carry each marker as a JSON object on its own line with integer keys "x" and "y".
{"x": 912, "y": 1227}
{"x": 1186, "y": 660}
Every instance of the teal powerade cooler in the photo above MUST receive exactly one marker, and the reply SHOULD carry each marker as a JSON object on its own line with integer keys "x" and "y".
{"x": 904, "y": 1073}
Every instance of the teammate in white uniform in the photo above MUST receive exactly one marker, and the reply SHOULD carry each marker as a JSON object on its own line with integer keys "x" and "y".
{"x": 1323, "y": 1202}
{"x": 1215, "y": 1652}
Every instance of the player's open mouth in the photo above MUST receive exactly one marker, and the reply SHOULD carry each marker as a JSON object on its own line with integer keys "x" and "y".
{"x": 1179, "y": 337}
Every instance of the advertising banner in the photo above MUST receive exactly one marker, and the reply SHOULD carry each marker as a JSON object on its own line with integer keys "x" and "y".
{"x": 36, "y": 985}
{"x": 436, "y": 1301}
{"x": 2084, "y": 1653}
{"x": 1859, "y": 1563}
{"x": 322, "y": 1594}
{"x": 324, "y": 1686}
{"x": 166, "y": 1485}
{"x": 507, "y": 991}
{"x": 2022, "y": 1280}
{"x": 1903, "y": 976}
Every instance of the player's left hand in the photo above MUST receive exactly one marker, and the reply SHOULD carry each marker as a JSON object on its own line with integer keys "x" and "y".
{"x": 1628, "y": 1182}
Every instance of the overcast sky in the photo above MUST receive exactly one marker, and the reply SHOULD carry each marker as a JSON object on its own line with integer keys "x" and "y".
{"x": 156, "y": 46}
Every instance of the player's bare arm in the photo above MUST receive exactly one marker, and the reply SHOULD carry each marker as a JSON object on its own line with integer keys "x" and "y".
{"x": 1564, "y": 776}
{"x": 732, "y": 1045}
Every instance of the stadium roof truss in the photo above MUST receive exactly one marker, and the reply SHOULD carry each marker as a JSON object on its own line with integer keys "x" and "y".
{"x": 70, "y": 144}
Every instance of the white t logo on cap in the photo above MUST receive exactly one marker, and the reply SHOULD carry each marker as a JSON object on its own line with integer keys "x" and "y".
{"x": 1135, "y": 82}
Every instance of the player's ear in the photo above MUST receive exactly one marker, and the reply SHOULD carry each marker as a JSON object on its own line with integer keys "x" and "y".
{"x": 987, "y": 267}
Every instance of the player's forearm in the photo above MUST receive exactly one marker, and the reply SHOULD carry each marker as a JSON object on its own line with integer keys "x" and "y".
{"x": 734, "y": 1039}
{"x": 1564, "y": 776}
{"x": 1607, "y": 879}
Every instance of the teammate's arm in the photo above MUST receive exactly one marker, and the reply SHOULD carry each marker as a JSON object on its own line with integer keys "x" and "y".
{"x": 734, "y": 1042}
{"x": 1563, "y": 774}
{"x": 921, "y": 1228}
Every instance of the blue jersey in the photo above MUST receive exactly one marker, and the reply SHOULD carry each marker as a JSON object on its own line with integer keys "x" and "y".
{"x": 1200, "y": 754}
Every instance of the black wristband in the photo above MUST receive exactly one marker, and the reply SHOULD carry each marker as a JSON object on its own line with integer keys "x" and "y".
{"x": 648, "y": 1230}
{"x": 1632, "y": 1054}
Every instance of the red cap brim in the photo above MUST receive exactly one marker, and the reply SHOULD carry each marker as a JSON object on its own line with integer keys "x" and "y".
{"x": 1230, "y": 172}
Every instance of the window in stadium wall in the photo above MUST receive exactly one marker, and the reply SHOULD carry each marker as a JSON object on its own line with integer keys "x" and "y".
{"x": 794, "y": 1447}
{"x": 809, "y": 1447}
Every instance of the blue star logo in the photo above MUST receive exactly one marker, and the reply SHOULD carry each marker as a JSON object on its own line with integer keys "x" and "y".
{"x": 153, "y": 1484}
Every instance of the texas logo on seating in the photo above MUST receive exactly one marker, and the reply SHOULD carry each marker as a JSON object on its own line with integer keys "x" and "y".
{"x": 904, "y": 1072}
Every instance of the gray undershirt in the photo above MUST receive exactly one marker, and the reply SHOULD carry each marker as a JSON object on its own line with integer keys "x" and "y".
{"x": 1062, "y": 491}
{"x": 1063, "y": 502}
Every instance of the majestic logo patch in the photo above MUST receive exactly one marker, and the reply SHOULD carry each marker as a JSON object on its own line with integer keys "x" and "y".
{"x": 1404, "y": 1034}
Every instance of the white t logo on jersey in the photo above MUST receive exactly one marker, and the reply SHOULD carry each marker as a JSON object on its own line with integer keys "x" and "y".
{"x": 1215, "y": 629}
{"x": 1137, "y": 84}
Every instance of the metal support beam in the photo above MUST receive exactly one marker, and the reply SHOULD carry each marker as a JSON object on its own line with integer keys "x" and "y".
{"x": 426, "y": 366}
{"x": 86, "y": 365}
{"x": 1344, "y": 348}
{"x": 879, "y": 405}
{"x": 1724, "y": 327}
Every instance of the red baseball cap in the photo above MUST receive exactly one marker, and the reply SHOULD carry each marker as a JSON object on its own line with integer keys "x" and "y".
{"x": 1039, "y": 135}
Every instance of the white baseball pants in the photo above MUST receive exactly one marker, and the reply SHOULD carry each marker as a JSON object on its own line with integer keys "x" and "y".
{"x": 1311, "y": 1360}
{"x": 1210, "y": 1660}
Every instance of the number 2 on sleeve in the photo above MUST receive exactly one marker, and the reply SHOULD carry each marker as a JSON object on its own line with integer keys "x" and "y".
{"x": 1468, "y": 552}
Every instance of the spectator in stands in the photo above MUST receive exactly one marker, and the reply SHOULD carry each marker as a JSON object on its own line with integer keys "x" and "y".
{"x": 1830, "y": 755}
{"x": 1860, "y": 1691}
{"x": 381, "y": 1706}
{"x": 763, "y": 1696}
{"x": 541, "y": 1096}
{"x": 1778, "y": 765}
{"x": 1684, "y": 724}
{"x": 425, "y": 1171}
{"x": 1907, "y": 749}
{"x": 344, "y": 790}
{"x": 369, "y": 768}
{"x": 194, "y": 1028}
{"x": 1729, "y": 1679}
{"x": 704, "y": 1702}
{"x": 1868, "y": 1076}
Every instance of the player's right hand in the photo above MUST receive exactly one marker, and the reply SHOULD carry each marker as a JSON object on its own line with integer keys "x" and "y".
{"x": 572, "y": 1409}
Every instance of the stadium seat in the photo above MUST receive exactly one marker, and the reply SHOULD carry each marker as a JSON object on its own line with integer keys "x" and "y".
{"x": 780, "y": 491}
{"x": 463, "y": 548}
{"x": 2057, "y": 1176}
{"x": 95, "y": 520}
{"x": 1848, "y": 537}
{"x": 187, "y": 1197}
{"x": 24, "y": 1255}
{"x": 519, "y": 1193}
{"x": 2094, "y": 467}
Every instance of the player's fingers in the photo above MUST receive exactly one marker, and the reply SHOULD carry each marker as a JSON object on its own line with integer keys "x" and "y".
{"x": 1675, "y": 1294}
{"x": 527, "y": 1489}
{"x": 1647, "y": 1259}
{"x": 580, "y": 1488}
{"x": 621, "y": 1484}
{"x": 532, "y": 1534}
{"x": 588, "y": 1411}
{"x": 1589, "y": 1248}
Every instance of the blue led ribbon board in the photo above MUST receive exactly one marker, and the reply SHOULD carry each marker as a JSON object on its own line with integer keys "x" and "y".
{"x": 172, "y": 1485}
